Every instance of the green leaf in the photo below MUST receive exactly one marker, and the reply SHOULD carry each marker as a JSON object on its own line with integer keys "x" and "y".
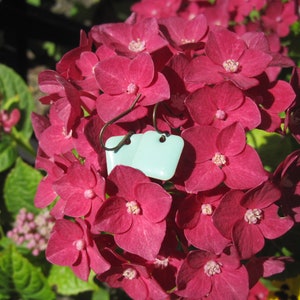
{"x": 8, "y": 152}
{"x": 19, "y": 277}
{"x": 271, "y": 147}
{"x": 101, "y": 294}
{"x": 66, "y": 283}
{"x": 20, "y": 187}
{"x": 14, "y": 93}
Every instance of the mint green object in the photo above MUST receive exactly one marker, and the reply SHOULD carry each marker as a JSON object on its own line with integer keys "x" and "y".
{"x": 147, "y": 153}
{"x": 124, "y": 156}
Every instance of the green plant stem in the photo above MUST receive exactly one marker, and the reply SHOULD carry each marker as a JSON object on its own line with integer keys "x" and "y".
{"x": 24, "y": 144}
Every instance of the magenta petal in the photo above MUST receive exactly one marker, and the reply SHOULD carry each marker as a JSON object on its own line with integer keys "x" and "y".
{"x": 223, "y": 44}
{"x": 45, "y": 193}
{"x": 113, "y": 216}
{"x": 231, "y": 140}
{"x": 262, "y": 196}
{"x": 247, "y": 238}
{"x": 154, "y": 200}
{"x": 141, "y": 70}
{"x": 81, "y": 266}
{"x": 61, "y": 252}
{"x": 205, "y": 176}
{"x": 77, "y": 206}
{"x": 159, "y": 90}
{"x": 201, "y": 106}
{"x": 124, "y": 179}
{"x": 247, "y": 114}
{"x": 143, "y": 238}
{"x": 192, "y": 282}
{"x": 228, "y": 212}
{"x": 240, "y": 80}
{"x": 233, "y": 284}
{"x": 97, "y": 263}
{"x": 203, "y": 139}
{"x": 245, "y": 170}
{"x": 202, "y": 70}
{"x": 112, "y": 74}
{"x": 254, "y": 62}
{"x": 136, "y": 288}
{"x": 70, "y": 231}
{"x": 205, "y": 236}
{"x": 272, "y": 226}
{"x": 228, "y": 96}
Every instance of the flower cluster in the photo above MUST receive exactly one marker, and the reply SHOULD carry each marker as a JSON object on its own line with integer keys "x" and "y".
{"x": 32, "y": 231}
{"x": 215, "y": 72}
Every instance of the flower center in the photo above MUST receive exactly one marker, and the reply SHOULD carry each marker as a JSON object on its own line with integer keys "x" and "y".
{"x": 133, "y": 208}
{"x": 89, "y": 194}
{"x": 211, "y": 268}
{"x": 129, "y": 273}
{"x": 230, "y": 65}
{"x": 161, "y": 263}
{"x": 79, "y": 244}
{"x": 187, "y": 41}
{"x": 137, "y": 45}
{"x": 66, "y": 134}
{"x": 220, "y": 114}
{"x": 206, "y": 209}
{"x": 219, "y": 159}
{"x": 132, "y": 88}
{"x": 252, "y": 216}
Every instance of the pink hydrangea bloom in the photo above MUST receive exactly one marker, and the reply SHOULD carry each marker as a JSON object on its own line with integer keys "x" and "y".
{"x": 78, "y": 188}
{"x": 9, "y": 120}
{"x": 206, "y": 275}
{"x": 248, "y": 218}
{"x": 228, "y": 58}
{"x": 135, "y": 278}
{"x": 135, "y": 212}
{"x": 195, "y": 217}
{"x": 71, "y": 245}
{"x": 222, "y": 105}
{"x": 221, "y": 156}
{"x": 122, "y": 79}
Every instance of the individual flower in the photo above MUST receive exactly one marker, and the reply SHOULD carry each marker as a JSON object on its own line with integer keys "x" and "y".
{"x": 221, "y": 156}
{"x": 78, "y": 188}
{"x": 242, "y": 9}
{"x": 9, "y": 119}
{"x": 184, "y": 34}
{"x": 222, "y": 105}
{"x": 272, "y": 99}
{"x": 134, "y": 277}
{"x": 195, "y": 217}
{"x": 129, "y": 39}
{"x": 71, "y": 245}
{"x": 207, "y": 275}
{"x": 250, "y": 218}
{"x": 279, "y": 16}
{"x": 228, "y": 58}
{"x": 135, "y": 212}
{"x": 122, "y": 80}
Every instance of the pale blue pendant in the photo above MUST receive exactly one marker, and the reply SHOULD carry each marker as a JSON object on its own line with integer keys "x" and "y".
{"x": 147, "y": 153}
{"x": 124, "y": 156}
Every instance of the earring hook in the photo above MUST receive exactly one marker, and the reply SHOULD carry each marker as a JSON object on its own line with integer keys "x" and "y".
{"x": 126, "y": 138}
{"x": 154, "y": 120}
